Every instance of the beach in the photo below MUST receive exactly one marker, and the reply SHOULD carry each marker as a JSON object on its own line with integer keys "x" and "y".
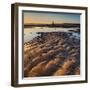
{"x": 52, "y": 54}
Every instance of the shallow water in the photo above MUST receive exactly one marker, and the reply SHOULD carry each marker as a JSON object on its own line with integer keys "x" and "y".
{"x": 30, "y": 33}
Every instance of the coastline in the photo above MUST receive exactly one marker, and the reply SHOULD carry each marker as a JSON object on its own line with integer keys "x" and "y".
{"x": 52, "y": 54}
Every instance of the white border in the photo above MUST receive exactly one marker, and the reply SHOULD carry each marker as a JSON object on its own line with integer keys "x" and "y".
{"x": 51, "y": 79}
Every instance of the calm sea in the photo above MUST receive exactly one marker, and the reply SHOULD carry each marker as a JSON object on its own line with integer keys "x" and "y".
{"x": 30, "y": 33}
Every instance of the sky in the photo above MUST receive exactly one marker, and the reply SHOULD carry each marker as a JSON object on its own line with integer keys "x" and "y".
{"x": 48, "y": 17}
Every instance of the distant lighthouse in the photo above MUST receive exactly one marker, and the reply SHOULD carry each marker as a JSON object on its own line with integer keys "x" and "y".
{"x": 53, "y": 23}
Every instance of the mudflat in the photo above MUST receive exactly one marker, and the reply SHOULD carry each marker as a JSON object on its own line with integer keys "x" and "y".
{"x": 52, "y": 54}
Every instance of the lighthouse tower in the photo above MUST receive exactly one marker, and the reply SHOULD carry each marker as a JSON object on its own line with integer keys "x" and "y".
{"x": 53, "y": 23}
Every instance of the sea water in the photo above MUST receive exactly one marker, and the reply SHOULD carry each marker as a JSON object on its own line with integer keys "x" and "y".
{"x": 30, "y": 33}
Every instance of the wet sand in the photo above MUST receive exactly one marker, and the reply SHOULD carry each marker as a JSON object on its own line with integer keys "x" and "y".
{"x": 52, "y": 54}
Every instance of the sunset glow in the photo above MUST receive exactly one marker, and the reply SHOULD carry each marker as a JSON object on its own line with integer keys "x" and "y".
{"x": 48, "y": 17}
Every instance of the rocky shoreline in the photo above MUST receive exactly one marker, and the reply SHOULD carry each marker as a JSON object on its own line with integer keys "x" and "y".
{"x": 52, "y": 54}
